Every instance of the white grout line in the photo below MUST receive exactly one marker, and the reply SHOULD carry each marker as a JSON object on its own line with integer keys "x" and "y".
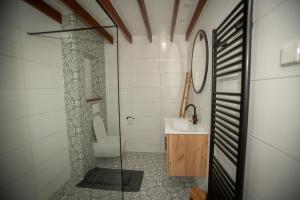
{"x": 269, "y": 12}
{"x": 275, "y": 148}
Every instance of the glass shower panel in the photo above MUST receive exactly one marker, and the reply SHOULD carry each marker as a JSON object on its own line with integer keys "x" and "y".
{"x": 91, "y": 88}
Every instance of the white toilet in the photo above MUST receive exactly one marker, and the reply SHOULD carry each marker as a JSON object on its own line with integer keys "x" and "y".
{"x": 106, "y": 146}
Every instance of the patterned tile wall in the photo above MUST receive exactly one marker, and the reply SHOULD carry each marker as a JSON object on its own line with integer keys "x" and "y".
{"x": 77, "y": 46}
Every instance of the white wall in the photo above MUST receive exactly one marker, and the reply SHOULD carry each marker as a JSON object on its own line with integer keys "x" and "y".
{"x": 273, "y": 164}
{"x": 33, "y": 141}
{"x": 152, "y": 78}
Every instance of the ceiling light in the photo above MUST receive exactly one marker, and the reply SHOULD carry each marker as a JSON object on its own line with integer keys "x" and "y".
{"x": 163, "y": 45}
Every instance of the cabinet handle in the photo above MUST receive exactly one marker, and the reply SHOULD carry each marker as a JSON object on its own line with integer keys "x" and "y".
{"x": 165, "y": 142}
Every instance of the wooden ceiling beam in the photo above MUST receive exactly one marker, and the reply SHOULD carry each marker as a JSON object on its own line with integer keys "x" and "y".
{"x": 46, "y": 9}
{"x": 145, "y": 18}
{"x": 174, "y": 18}
{"x": 113, "y": 14}
{"x": 198, "y": 10}
{"x": 87, "y": 18}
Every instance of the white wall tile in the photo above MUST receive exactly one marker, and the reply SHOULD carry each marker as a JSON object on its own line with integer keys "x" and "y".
{"x": 39, "y": 76}
{"x": 111, "y": 81}
{"x": 9, "y": 44}
{"x": 113, "y": 132}
{"x": 279, "y": 26}
{"x": 13, "y": 134}
{"x": 54, "y": 185}
{"x": 110, "y": 52}
{"x": 146, "y": 137}
{"x": 145, "y": 51}
{"x": 112, "y": 109}
{"x": 147, "y": 123}
{"x": 273, "y": 175}
{"x": 11, "y": 73}
{"x": 9, "y": 35}
{"x": 262, "y": 8}
{"x": 125, "y": 67}
{"x": 111, "y": 67}
{"x": 171, "y": 94}
{"x": 172, "y": 79}
{"x": 43, "y": 149}
{"x": 23, "y": 188}
{"x": 51, "y": 169}
{"x": 273, "y": 117}
{"x": 146, "y": 80}
{"x": 170, "y": 109}
{"x": 45, "y": 100}
{"x": 33, "y": 48}
{"x": 6, "y": 17}
{"x": 15, "y": 164}
{"x": 125, "y": 95}
{"x": 125, "y": 81}
{"x": 126, "y": 109}
{"x": 130, "y": 147}
{"x": 12, "y": 104}
{"x": 146, "y": 95}
{"x": 145, "y": 66}
{"x": 46, "y": 124}
{"x": 127, "y": 51}
{"x": 111, "y": 95}
{"x": 146, "y": 109}
{"x": 127, "y": 126}
{"x": 128, "y": 134}
{"x": 173, "y": 65}
{"x": 113, "y": 123}
{"x": 173, "y": 50}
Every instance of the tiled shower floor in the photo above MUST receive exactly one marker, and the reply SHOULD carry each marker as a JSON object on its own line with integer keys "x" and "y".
{"x": 156, "y": 184}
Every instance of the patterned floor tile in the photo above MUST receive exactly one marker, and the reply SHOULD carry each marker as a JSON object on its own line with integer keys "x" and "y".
{"x": 156, "y": 184}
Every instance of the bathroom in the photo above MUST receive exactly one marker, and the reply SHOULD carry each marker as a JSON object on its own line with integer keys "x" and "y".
{"x": 112, "y": 87}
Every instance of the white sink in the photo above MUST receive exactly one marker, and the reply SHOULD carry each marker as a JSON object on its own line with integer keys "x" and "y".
{"x": 182, "y": 126}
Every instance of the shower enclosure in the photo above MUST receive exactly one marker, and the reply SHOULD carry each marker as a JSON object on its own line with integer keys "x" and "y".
{"x": 91, "y": 90}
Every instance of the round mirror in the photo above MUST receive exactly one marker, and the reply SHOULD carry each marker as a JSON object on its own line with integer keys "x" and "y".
{"x": 199, "y": 61}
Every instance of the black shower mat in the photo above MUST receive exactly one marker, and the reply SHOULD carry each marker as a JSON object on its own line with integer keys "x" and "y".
{"x": 110, "y": 179}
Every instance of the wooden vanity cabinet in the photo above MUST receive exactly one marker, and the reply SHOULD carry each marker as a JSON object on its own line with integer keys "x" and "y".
{"x": 186, "y": 154}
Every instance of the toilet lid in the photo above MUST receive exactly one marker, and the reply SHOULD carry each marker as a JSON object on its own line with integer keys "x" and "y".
{"x": 99, "y": 127}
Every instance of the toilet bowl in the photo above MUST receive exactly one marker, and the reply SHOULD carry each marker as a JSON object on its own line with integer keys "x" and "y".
{"x": 106, "y": 146}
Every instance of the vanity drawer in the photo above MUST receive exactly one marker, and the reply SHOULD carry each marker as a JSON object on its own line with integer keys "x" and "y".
{"x": 186, "y": 155}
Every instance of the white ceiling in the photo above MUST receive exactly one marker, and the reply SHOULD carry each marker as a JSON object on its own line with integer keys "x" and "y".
{"x": 159, "y": 13}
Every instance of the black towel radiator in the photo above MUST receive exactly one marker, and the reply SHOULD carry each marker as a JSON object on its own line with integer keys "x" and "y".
{"x": 229, "y": 114}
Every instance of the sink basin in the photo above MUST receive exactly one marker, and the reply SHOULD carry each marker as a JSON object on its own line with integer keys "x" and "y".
{"x": 182, "y": 126}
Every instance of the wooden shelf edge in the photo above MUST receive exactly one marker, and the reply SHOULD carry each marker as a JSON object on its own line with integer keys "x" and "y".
{"x": 94, "y": 99}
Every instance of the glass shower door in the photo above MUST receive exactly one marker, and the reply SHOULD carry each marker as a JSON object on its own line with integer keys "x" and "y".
{"x": 91, "y": 91}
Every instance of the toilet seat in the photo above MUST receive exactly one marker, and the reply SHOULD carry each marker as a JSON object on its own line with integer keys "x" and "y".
{"x": 99, "y": 128}
{"x": 106, "y": 146}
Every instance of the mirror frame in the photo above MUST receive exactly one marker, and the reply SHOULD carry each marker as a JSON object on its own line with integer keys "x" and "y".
{"x": 206, "y": 62}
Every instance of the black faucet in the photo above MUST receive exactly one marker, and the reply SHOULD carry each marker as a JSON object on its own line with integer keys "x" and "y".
{"x": 195, "y": 118}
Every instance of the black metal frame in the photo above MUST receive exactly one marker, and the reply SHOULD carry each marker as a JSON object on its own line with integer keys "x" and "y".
{"x": 206, "y": 62}
{"x": 231, "y": 43}
{"x": 71, "y": 30}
